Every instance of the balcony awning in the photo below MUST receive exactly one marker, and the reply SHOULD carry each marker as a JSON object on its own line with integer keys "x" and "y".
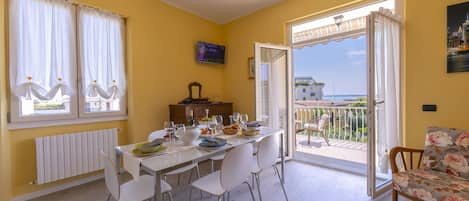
{"x": 349, "y": 28}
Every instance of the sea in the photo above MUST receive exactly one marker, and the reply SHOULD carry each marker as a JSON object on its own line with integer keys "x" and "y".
{"x": 343, "y": 97}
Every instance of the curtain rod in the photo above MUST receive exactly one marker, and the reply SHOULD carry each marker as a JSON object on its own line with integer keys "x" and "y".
{"x": 395, "y": 19}
{"x": 93, "y": 7}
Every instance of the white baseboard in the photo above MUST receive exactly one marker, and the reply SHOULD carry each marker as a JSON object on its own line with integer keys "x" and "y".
{"x": 54, "y": 189}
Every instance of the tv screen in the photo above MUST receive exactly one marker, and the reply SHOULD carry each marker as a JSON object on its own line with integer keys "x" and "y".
{"x": 210, "y": 53}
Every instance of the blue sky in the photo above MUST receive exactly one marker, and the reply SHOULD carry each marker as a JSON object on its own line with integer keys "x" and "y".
{"x": 340, "y": 65}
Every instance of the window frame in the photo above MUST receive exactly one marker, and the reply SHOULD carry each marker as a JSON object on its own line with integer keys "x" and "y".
{"x": 77, "y": 114}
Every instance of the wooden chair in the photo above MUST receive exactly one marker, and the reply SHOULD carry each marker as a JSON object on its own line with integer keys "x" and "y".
{"x": 407, "y": 160}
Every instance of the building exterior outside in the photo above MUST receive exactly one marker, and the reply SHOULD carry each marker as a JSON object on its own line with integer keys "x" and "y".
{"x": 306, "y": 88}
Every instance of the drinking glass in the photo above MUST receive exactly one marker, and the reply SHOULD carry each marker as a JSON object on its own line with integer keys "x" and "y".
{"x": 169, "y": 127}
{"x": 180, "y": 130}
{"x": 244, "y": 119}
{"x": 236, "y": 116}
{"x": 219, "y": 121}
{"x": 231, "y": 120}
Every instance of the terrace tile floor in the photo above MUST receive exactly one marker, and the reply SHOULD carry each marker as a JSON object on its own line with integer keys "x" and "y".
{"x": 339, "y": 149}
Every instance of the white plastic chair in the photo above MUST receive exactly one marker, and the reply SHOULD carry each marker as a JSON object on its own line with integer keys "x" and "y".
{"x": 216, "y": 158}
{"x": 222, "y": 156}
{"x": 142, "y": 189}
{"x": 267, "y": 155}
{"x": 319, "y": 127}
{"x": 235, "y": 169}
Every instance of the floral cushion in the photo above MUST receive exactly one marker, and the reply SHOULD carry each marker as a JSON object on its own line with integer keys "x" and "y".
{"x": 429, "y": 185}
{"x": 447, "y": 150}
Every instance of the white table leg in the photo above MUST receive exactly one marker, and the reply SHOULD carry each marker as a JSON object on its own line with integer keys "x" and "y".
{"x": 158, "y": 196}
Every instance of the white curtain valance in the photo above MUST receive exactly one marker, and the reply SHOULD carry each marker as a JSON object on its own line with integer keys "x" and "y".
{"x": 101, "y": 40}
{"x": 42, "y": 48}
{"x": 330, "y": 32}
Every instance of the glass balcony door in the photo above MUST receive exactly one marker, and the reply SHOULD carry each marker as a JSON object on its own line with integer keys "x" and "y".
{"x": 273, "y": 89}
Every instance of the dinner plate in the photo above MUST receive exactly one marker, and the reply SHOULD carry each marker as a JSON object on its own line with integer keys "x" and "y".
{"x": 212, "y": 142}
{"x": 137, "y": 152}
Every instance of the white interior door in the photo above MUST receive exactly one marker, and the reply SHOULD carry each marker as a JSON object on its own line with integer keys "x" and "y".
{"x": 274, "y": 89}
{"x": 384, "y": 110}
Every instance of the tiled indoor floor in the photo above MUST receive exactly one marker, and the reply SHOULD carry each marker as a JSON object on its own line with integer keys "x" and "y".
{"x": 304, "y": 182}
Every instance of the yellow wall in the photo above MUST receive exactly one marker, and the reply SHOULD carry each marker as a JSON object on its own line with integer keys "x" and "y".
{"x": 424, "y": 69}
{"x": 266, "y": 26}
{"x": 160, "y": 65}
{"x": 5, "y": 179}
{"x": 427, "y": 80}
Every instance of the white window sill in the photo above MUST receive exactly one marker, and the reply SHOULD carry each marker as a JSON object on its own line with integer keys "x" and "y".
{"x": 41, "y": 124}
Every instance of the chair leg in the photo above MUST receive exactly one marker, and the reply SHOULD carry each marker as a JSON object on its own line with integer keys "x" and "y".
{"x": 170, "y": 195}
{"x": 228, "y": 196}
{"x": 250, "y": 190}
{"x": 309, "y": 136}
{"x": 109, "y": 197}
{"x": 198, "y": 177}
{"x": 326, "y": 138}
{"x": 190, "y": 193}
{"x": 394, "y": 195}
{"x": 213, "y": 166}
{"x": 258, "y": 182}
{"x": 281, "y": 182}
{"x": 221, "y": 197}
{"x": 190, "y": 176}
{"x": 253, "y": 181}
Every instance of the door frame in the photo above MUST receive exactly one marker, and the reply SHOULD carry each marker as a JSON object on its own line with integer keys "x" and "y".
{"x": 373, "y": 190}
{"x": 289, "y": 131}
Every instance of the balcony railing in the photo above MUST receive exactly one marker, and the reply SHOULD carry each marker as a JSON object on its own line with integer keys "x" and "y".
{"x": 345, "y": 123}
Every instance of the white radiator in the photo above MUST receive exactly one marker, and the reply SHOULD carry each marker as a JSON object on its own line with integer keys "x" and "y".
{"x": 62, "y": 156}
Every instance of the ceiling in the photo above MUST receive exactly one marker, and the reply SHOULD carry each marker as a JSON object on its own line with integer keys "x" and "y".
{"x": 221, "y": 11}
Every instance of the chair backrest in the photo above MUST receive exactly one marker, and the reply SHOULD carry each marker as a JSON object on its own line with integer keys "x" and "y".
{"x": 156, "y": 134}
{"x": 268, "y": 151}
{"x": 236, "y": 166}
{"x": 446, "y": 150}
{"x": 322, "y": 122}
{"x": 110, "y": 176}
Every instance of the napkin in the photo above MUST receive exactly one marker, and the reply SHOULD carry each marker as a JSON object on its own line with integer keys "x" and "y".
{"x": 132, "y": 165}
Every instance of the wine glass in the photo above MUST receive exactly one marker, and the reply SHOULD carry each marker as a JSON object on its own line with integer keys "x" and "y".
{"x": 244, "y": 119}
{"x": 236, "y": 116}
{"x": 219, "y": 121}
{"x": 231, "y": 120}
{"x": 180, "y": 130}
{"x": 169, "y": 127}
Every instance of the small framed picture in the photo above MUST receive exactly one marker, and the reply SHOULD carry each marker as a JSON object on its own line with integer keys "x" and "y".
{"x": 251, "y": 68}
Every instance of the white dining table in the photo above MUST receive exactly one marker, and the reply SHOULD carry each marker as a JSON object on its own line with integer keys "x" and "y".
{"x": 159, "y": 164}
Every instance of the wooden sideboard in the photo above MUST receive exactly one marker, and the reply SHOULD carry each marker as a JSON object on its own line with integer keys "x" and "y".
{"x": 180, "y": 113}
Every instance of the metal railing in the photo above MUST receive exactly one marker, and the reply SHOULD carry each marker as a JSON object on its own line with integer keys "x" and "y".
{"x": 345, "y": 123}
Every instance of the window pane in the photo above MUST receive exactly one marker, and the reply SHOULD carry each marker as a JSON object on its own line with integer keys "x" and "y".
{"x": 101, "y": 38}
{"x": 60, "y": 104}
{"x": 100, "y": 104}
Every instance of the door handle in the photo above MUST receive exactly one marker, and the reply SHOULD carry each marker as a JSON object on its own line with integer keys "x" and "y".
{"x": 379, "y": 102}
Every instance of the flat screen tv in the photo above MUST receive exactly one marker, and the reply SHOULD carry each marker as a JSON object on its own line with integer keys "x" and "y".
{"x": 210, "y": 53}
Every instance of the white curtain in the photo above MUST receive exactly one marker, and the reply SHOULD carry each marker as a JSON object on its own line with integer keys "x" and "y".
{"x": 271, "y": 102}
{"x": 387, "y": 84}
{"x": 101, "y": 41}
{"x": 42, "y": 48}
